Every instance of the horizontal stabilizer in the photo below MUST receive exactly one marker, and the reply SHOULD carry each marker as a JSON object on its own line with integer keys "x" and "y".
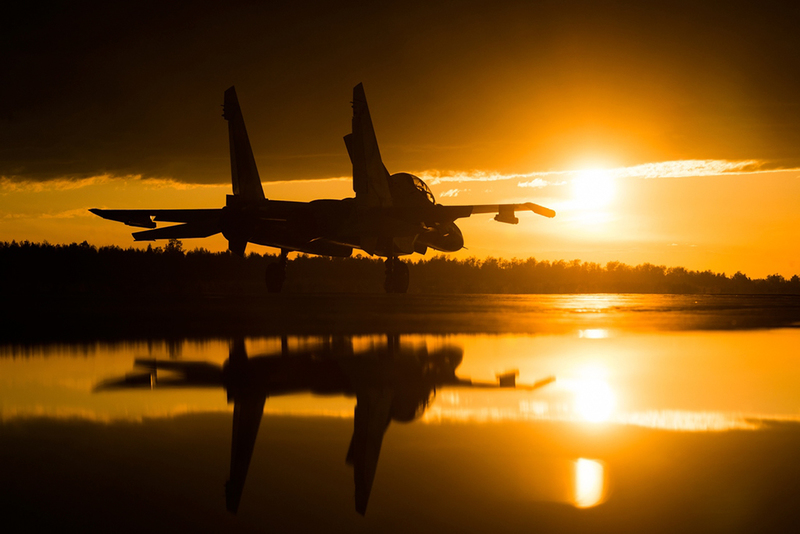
{"x": 145, "y": 218}
{"x": 137, "y": 218}
{"x": 191, "y": 373}
{"x": 180, "y": 231}
{"x": 130, "y": 381}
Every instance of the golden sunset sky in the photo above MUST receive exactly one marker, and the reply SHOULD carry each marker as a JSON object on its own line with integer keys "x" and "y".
{"x": 665, "y": 133}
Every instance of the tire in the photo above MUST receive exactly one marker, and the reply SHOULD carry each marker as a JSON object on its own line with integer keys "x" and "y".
{"x": 275, "y": 277}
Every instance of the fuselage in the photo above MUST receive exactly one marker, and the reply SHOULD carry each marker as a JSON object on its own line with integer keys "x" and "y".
{"x": 334, "y": 227}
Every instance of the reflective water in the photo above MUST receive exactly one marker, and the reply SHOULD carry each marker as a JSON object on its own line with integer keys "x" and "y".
{"x": 666, "y": 413}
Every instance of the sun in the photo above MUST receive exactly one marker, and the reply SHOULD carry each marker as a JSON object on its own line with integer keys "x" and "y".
{"x": 593, "y": 188}
{"x": 594, "y": 400}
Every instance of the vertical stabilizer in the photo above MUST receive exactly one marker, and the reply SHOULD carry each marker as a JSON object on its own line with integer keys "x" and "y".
{"x": 370, "y": 177}
{"x": 244, "y": 173}
{"x": 372, "y": 418}
{"x": 248, "y": 409}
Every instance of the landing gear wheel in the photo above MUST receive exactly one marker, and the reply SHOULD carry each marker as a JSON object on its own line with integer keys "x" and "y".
{"x": 276, "y": 274}
{"x": 396, "y": 276}
{"x": 275, "y": 277}
{"x": 401, "y": 277}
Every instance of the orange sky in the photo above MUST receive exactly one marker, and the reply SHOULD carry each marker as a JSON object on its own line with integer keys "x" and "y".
{"x": 118, "y": 106}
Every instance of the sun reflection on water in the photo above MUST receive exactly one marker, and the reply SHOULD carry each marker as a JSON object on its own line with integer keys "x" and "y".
{"x": 590, "y": 483}
{"x": 593, "y": 400}
{"x": 591, "y": 303}
{"x": 593, "y": 333}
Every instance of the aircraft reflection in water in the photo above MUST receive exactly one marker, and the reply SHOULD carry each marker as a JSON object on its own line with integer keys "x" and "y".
{"x": 389, "y": 382}
{"x": 391, "y": 215}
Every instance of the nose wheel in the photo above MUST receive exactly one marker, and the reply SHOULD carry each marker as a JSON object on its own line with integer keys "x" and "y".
{"x": 396, "y": 276}
{"x": 276, "y": 273}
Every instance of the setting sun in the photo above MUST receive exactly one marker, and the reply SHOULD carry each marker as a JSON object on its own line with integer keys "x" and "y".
{"x": 593, "y": 188}
{"x": 594, "y": 399}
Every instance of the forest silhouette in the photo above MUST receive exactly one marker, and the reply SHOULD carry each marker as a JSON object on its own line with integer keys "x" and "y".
{"x": 41, "y": 269}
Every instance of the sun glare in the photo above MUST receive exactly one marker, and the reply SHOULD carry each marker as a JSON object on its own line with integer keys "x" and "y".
{"x": 594, "y": 401}
{"x": 593, "y": 188}
{"x": 589, "y": 483}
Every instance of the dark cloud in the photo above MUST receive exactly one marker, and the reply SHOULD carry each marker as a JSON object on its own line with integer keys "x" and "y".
{"x": 135, "y": 89}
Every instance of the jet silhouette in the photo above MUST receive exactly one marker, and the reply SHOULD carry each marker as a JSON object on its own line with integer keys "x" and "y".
{"x": 392, "y": 215}
{"x": 389, "y": 382}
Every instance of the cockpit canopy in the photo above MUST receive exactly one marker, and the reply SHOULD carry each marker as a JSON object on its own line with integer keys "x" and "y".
{"x": 408, "y": 189}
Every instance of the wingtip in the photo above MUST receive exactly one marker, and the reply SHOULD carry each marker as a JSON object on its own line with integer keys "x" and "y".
{"x": 541, "y": 210}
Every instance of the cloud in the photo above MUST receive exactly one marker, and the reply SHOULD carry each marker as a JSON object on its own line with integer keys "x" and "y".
{"x": 663, "y": 169}
{"x": 435, "y": 177}
{"x": 679, "y": 169}
{"x": 65, "y": 214}
{"x": 7, "y": 185}
{"x": 123, "y": 89}
{"x": 68, "y": 214}
{"x": 535, "y": 183}
{"x": 451, "y": 193}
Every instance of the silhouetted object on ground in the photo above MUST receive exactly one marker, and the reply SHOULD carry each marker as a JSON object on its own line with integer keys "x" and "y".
{"x": 27, "y": 271}
{"x": 390, "y": 216}
{"x": 390, "y": 382}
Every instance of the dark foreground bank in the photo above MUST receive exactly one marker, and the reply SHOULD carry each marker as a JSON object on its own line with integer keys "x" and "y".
{"x": 167, "y": 475}
{"x": 87, "y": 317}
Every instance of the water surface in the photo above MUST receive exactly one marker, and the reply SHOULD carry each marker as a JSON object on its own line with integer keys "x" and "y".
{"x": 666, "y": 413}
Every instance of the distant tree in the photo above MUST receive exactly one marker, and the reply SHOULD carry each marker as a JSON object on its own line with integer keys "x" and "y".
{"x": 41, "y": 268}
{"x": 174, "y": 246}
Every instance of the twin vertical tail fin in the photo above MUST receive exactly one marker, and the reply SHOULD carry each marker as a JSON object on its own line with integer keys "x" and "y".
{"x": 370, "y": 177}
{"x": 248, "y": 410}
{"x": 244, "y": 173}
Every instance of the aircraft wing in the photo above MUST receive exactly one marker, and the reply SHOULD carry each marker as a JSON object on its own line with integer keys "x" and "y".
{"x": 196, "y": 222}
{"x": 505, "y": 212}
{"x": 500, "y": 208}
{"x": 504, "y": 381}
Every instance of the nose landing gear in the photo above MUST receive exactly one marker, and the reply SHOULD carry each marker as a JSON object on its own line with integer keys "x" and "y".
{"x": 396, "y": 276}
{"x": 276, "y": 273}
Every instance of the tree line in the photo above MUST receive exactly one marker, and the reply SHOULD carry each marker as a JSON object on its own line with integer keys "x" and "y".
{"x": 80, "y": 268}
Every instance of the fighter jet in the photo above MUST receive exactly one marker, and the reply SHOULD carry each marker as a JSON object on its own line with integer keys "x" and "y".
{"x": 390, "y": 383}
{"x": 392, "y": 215}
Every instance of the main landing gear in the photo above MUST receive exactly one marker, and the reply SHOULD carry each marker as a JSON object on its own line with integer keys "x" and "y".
{"x": 276, "y": 273}
{"x": 396, "y": 276}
